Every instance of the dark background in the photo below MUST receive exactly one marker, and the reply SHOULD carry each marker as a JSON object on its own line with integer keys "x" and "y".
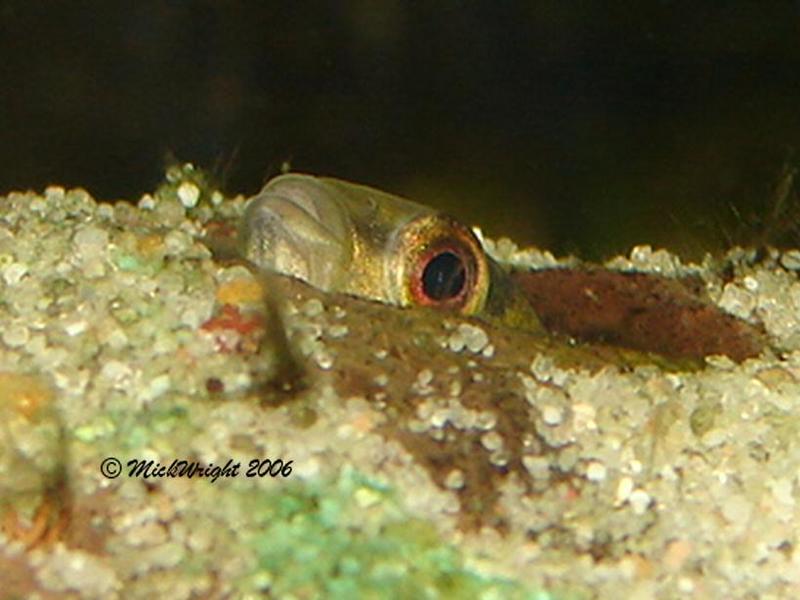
{"x": 577, "y": 126}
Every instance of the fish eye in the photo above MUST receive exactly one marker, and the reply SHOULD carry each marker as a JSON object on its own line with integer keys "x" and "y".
{"x": 444, "y": 276}
{"x": 441, "y": 265}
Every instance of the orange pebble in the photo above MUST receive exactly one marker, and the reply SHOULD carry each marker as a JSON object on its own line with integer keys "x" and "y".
{"x": 24, "y": 394}
{"x": 239, "y": 291}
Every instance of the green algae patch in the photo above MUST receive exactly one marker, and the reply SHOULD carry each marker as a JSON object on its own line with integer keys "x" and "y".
{"x": 350, "y": 539}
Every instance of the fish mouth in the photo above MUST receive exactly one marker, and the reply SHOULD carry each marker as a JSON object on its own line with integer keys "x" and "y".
{"x": 292, "y": 227}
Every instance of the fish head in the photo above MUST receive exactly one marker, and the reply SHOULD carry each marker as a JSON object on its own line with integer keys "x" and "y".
{"x": 353, "y": 239}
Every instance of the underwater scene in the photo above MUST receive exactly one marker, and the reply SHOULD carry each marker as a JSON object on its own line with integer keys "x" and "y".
{"x": 388, "y": 300}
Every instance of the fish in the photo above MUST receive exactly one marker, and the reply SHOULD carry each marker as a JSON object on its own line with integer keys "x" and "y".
{"x": 348, "y": 238}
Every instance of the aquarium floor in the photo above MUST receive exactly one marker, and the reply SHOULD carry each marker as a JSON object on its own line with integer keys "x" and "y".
{"x": 431, "y": 456}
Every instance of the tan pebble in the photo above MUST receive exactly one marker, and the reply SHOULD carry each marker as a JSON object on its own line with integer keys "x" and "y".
{"x": 338, "y": 331}
{"x": 584, "y": 417}
{"x": 437, "y": 434}
{"x": 16, "y": 335}
{"x": 736, "y": 509}
{"x": 537, "y": 466}
{"x": 313, "y": 307}
{"x": 454, "y": 479}
{"x": 323, "y": 358}
{"x": 676, "y": 554}
{"x": 624, "y": 489}
{"x": 486, "y": 421}
{"x": 499, "y": 458}
{"x": 552, "y": 415}
{"x": 455, "y": 388}
{"x": 492, "y": 441}
{"x": 639, "y": 501}
{"x": 596, "y": 471}
{"x": 424, "y": 377}
{"x": 456, "y": 342}
{"x": 188, "y": 193}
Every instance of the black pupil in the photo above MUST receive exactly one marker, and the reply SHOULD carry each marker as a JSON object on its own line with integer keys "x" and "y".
{"x": 444, "y": 277}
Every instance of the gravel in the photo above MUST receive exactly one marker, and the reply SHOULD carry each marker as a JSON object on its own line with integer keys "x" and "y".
{"x": 635, "y": 483}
